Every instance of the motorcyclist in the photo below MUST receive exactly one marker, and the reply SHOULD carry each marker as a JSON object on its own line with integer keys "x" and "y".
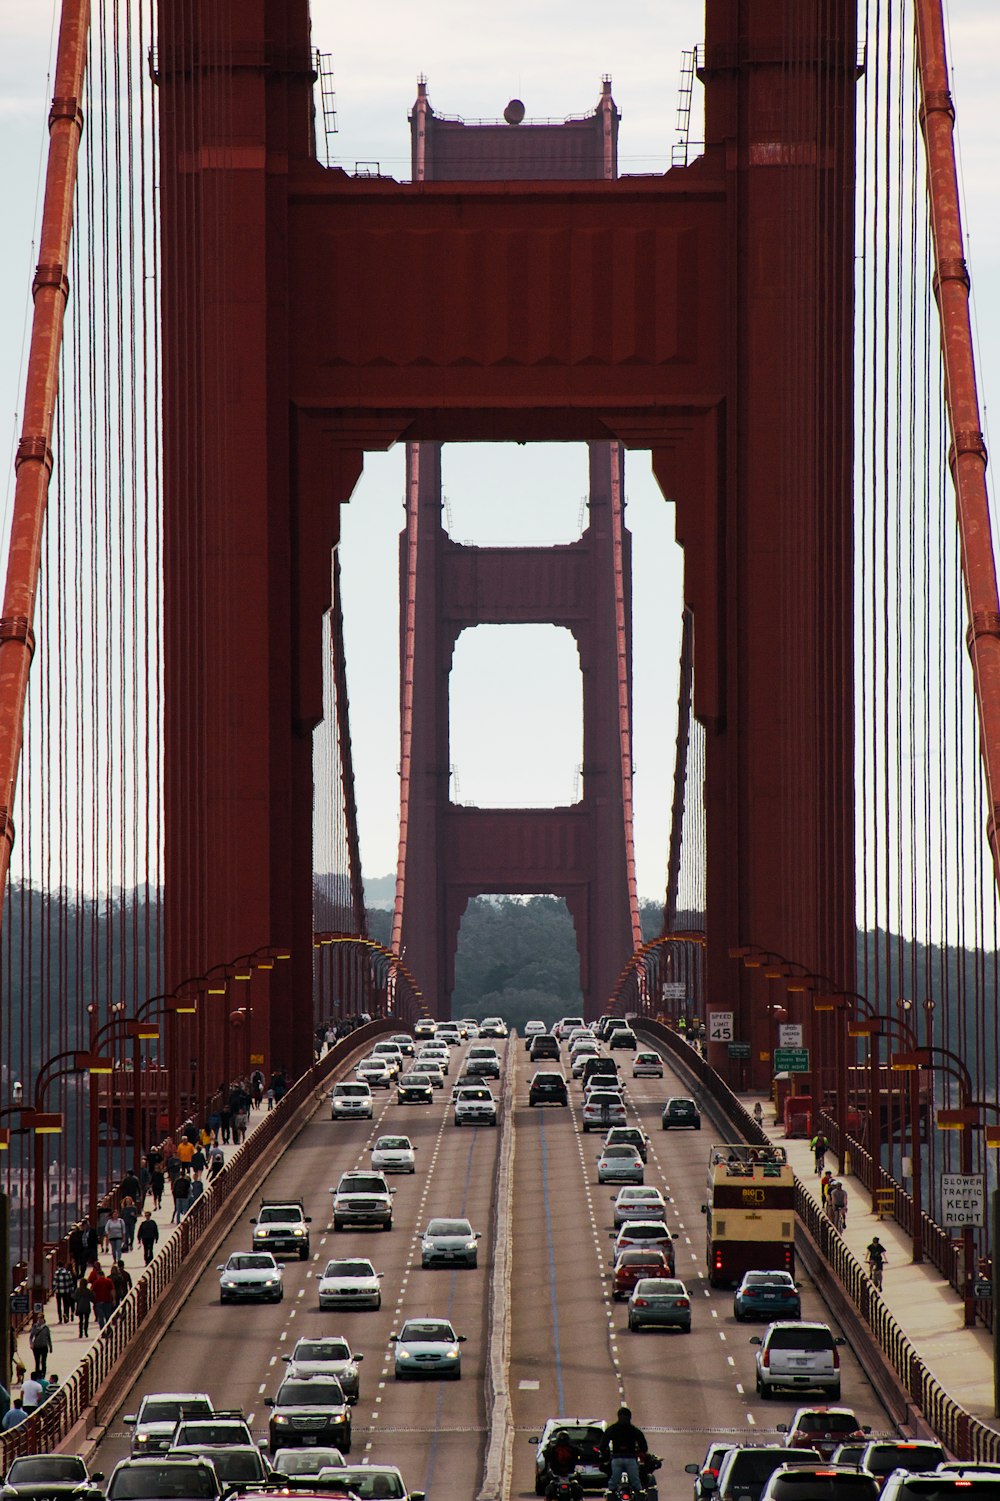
{"x": 561, "y": 1456}
{"x": 625, "y": 1444}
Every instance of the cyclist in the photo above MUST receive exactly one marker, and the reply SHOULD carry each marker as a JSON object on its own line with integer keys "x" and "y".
{"x": 818, "y": 1146}
{"x": 877, "y": 1258}
{"x": 836, "y": 1201}
{"x": 626, "y": 1444}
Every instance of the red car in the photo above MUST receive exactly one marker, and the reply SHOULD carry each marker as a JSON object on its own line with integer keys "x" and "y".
{"x": 631, "y": 1265}
{"x": 823, "y": 1428}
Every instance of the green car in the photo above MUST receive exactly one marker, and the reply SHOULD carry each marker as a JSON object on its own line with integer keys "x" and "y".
{"x": 659, "y": 1303}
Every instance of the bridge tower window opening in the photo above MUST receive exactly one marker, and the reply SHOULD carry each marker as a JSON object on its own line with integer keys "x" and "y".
{"x": 516, "y": 712}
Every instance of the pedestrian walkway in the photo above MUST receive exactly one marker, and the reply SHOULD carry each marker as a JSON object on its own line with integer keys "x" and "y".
{"x": 927, "y": 1308}
{"x": 68, "y": 1346}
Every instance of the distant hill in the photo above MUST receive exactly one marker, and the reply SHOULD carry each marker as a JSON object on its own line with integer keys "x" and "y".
{"x": 380, "y": 891}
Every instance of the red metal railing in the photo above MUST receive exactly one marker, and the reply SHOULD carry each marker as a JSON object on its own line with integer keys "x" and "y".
{"x": 84, "y": 1387}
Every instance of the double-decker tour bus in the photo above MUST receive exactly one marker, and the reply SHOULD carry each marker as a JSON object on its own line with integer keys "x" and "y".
{"x": 750, "y": 1214}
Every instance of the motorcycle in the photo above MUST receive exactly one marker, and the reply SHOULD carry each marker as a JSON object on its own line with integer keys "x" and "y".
{"x": 564, "y": 1488}
{"x": 625, "y": 1489}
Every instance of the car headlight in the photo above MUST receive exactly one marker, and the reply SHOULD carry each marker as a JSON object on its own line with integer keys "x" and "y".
{"x": 338, "y": 1417}
{"x": 142, "y": 1438}
{"x": 403, "y": 1355}
{"x": 451, "y": 1354}
{"x": 279, "y": 1419}
{"x": 298, "y": 1232}
{"x": 225, "y": 1284}
{"x": 271, "y": 1282}
{"x": 470, "y": 1245}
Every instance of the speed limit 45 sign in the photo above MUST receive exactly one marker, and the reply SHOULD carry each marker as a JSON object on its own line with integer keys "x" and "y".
{"x": 720, "y": 1026}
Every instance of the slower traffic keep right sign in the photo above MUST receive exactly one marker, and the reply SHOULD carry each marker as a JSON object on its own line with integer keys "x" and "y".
{"x": 963, "y": 1200}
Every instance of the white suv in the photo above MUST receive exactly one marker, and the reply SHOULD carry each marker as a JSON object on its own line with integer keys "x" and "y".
{"x": 798, "y": 1357}
{"x": 351, "y": 1101}
{"x": 475, "y": 1106}
{"x": 603, "y": 1108}
{"x": 566, "y": 1024}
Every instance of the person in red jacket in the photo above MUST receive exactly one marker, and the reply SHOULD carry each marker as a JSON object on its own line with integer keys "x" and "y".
{"x": 102, "y": 1290}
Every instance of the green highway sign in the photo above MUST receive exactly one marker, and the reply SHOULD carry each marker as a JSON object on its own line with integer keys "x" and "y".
{"x": 739, "y": 1050}
{"x": 791, "y": 1060}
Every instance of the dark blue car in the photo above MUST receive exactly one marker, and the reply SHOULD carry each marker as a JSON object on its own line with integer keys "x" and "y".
{"x": 767, "y": 1295}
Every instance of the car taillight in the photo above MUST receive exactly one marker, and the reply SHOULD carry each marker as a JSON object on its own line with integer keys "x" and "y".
{"x": 765, "y": 1357}
{"x": 824, "y": 1472}
{"x": 718, "y": 1261}
{"x": 788, "y": 1257}
{"x": 682, "y": 1303}
{"x": 641, "y": 1302}
{"x": 836, "y": 1358}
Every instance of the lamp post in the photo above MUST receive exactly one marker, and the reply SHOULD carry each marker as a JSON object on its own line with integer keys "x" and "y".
{"x": 47, "y": 1123}
{"x": 949, "y": 1119}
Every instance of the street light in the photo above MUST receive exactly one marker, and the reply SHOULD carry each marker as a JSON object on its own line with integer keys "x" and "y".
{"x": 949, "y": 1119}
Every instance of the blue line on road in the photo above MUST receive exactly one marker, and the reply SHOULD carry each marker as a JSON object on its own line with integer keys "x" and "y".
{"x": 552, "y": 1266}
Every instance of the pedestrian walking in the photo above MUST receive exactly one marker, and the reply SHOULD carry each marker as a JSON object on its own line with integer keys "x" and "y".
{"x": 64, "y": 1286}
{"x": 181, "y": 1190}
{"x": 114, "y": 1235}
{"x": 198, "y": 1163}
{"x": 758, "y": 1114}
{"x": 15, "y": 1417}
{"x": 121, "y": 1281}
{"x": 78, "y": 1248}
{"x": 130, "y": 1214}
{"x": 818, "y": 1146}
{"x": 157, "y": 1182}
{"x": 32, "y": 1392}
{"x": 40, "y": 1341}
{"x": 84, "y": 1304}
{"x": 216, "y": 1162}
{"x": 90, "y": 1242}
{"x": 102, "y": 1291}
{"x": 128, "y": 1188}
{"x": 147, "y": 1234}
{"x": 239, "y": 1126}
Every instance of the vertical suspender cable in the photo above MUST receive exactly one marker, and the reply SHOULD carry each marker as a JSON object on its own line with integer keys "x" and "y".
{"x": 34, "y": 452}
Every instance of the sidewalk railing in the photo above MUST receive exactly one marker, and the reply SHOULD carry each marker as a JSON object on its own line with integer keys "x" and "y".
{"x": 939, "y": 1247}
{"x": 78, "y": 1393}
{"x": 964, "y": 1434}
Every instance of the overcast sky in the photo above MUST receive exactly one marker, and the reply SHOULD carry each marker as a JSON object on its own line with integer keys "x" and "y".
{"x": 515, "y": 716}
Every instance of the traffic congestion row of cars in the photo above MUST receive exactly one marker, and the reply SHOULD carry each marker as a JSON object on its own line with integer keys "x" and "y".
{"x": 183, "y": 1447}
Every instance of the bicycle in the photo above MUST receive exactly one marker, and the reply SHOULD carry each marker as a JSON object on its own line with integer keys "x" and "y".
{"x": 875, "y": 1270}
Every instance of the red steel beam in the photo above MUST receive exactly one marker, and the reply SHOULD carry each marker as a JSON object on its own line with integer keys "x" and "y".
{"x": 33, "y": 464}
{"x": 967, "y": 456}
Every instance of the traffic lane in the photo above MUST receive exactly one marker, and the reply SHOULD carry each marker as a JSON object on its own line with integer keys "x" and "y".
{"x": 565, "y": 1347}
{"x": 196, "y": 1352}
{"x": 435, "y": 1429}
{"x": 680, "y": 1159}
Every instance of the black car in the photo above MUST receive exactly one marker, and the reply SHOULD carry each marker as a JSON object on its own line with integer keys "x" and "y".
{"x": 51, "y": 1477}
{"x": 309, "y": 1410}
{"x": 747, "y": 1468}
{"x": 604, "y": 1066}
{"x": 681, "y": 1112}
{"x": 414, "y": 1089}
{"x": 548, "y": 1089}
{"x": 543, "y": 1046}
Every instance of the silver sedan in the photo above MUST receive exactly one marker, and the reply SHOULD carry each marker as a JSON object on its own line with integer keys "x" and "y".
{"x": 620, "y": 1164}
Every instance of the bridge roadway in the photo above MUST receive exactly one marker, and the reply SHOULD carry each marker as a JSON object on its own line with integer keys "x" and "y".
{"x": 571, "y": 1353}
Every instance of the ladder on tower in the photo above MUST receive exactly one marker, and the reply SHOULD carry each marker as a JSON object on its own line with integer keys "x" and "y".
{"x": 679, "y": 155}
{"x": 323, "y": 63}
